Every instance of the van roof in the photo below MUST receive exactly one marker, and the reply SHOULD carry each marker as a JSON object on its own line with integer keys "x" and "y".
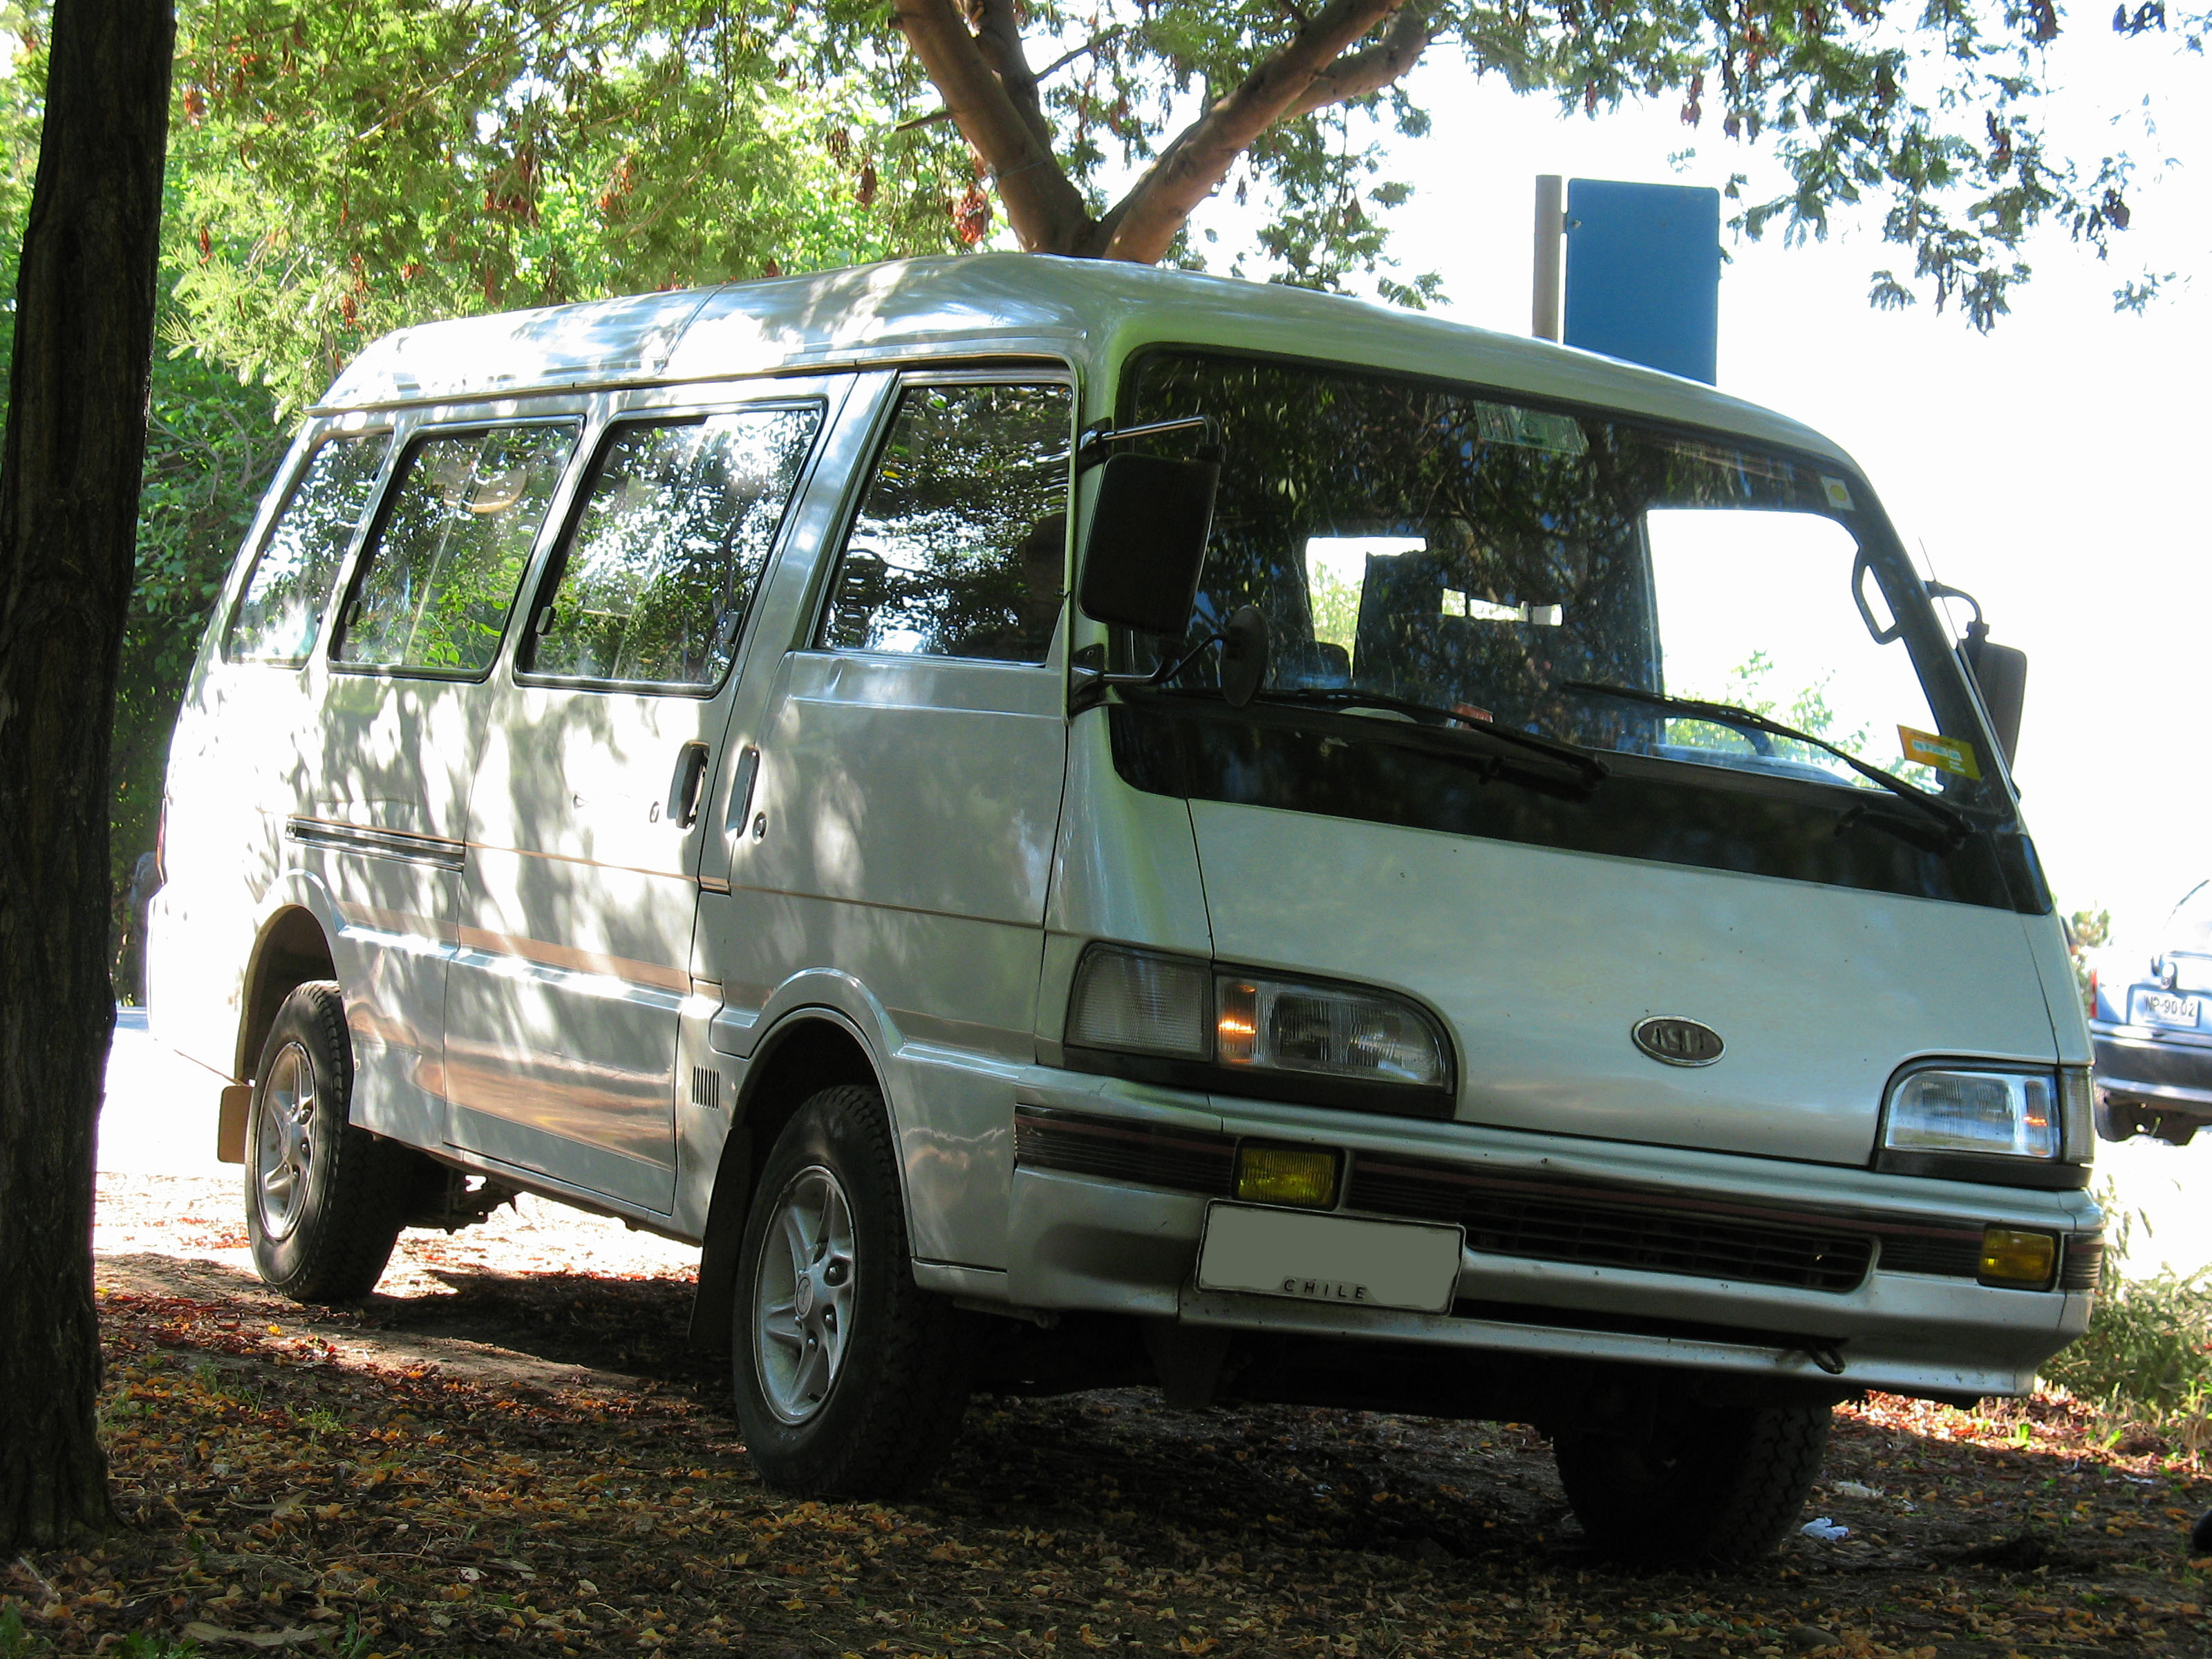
{"x": 1090, "y": 311}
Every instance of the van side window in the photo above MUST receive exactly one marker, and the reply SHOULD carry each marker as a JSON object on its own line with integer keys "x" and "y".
{"x": 960, "y": 547}
{"x": 438, "y": 581}
{"x": 281, "y": 611}
{"x": 661, "y": 565}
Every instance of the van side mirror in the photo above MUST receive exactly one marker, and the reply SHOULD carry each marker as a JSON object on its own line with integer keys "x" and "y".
{"x": 2000, "y": 674}
{"x": 1147, "y": 541}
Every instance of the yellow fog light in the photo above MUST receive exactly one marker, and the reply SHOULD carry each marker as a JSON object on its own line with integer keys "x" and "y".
{"x": 2023, "y": 1261}
{"x": 1305, "y": 1175}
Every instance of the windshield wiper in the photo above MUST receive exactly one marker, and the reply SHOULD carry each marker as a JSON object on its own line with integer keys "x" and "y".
{"x": 1595, "y": 770}
{"x": 1956, "y": 825}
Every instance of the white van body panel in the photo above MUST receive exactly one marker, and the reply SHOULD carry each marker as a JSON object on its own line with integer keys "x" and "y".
{"x": 1541, "y": 961}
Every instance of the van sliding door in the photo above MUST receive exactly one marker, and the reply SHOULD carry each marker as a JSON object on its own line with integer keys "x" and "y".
{"x": 602, "y": 748}
{"x": 385, "y": 816}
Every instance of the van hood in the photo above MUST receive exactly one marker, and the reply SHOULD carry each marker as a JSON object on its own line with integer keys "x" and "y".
{"x": 1541, "y": 962}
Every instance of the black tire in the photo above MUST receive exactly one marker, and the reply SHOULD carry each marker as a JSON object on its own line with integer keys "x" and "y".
{"x": 862, "y": 1397}
{"x": 323, "y": 1198}
{"x": 1714, "y": 1485}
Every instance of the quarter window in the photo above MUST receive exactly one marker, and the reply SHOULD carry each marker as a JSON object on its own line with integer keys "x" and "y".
{"x": 669, "y": 546}
{"x": 442, "y": 575}
{"x": 281, "y": 611}
{"x": 960, "y": 549}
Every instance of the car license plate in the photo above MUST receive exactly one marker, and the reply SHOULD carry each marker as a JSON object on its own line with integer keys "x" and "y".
{"x": 2170, "y": 1011}
{"x": 1329, "y": 1258}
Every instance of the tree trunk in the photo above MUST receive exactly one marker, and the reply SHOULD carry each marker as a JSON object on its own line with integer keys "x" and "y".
{"x": 68, "y": 507}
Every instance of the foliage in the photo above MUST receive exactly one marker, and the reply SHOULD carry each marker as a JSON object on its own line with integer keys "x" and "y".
{"x": 345, "y": 170}
{"x": 1808, "y": 709}
{"x": 2147, "y": 1356}
{"x": 1930, "y": 119}
{"x": 15, "y": 1642}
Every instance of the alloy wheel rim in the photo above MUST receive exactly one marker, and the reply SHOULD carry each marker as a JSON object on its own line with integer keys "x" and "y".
{"x": 803, "y": 1294}
{"x": 284, "y": 1149}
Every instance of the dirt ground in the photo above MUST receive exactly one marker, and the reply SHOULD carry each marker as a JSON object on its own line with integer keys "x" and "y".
{"x": 510, "y": 1445}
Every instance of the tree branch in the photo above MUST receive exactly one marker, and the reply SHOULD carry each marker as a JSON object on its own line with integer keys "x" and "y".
{"x": 1046, "y": 210}
{"x": 1044, "y": 74}
{"x": 998, "y": 38}
{"x": 1144, "y": 223}
{"x": 1372, "y": 68}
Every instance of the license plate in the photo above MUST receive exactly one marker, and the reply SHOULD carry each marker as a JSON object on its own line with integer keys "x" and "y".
{"x": 2170, "y": 1011}
{"x": 1329, "y": 1258}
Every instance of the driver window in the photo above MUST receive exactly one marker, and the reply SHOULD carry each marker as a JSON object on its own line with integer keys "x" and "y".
{"x": 960, "y": 549}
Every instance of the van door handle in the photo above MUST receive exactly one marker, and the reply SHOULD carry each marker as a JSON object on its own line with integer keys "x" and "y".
{"x": 741, "y": 791}
{"x": 684, "y": 788}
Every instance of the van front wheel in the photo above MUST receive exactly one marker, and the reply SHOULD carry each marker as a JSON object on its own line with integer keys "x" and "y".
{"x": 850, "y": 1379}
{"x": 323, "y": 1198}
{"x": 1712, "y": 1486}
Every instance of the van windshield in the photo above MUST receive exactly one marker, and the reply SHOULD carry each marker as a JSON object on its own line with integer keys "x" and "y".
{"x": 1438, "y": 545}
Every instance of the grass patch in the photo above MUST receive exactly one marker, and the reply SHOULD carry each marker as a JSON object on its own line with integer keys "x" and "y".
{"x": 2147, "y": 1356}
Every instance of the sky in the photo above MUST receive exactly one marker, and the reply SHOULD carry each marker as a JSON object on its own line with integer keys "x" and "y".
{"x": 2050, "y": 467}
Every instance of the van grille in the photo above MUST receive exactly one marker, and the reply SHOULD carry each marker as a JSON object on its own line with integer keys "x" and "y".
{"x": 1537, "y": 1222}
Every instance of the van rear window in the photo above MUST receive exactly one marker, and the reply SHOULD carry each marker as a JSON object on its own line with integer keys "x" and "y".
{"x": 281, "y": 611}
{"x": 436, "y": 587}
{"x": 668, "y": 548}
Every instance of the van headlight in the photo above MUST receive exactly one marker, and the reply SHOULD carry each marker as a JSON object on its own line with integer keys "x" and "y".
{"x": 1325, "y": 1030}
{"x": 1254, "y": 1026}
{"x": 2041, "y": 1114}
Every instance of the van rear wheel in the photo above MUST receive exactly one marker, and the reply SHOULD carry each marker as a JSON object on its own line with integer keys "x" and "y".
{"x": 850, "y": 1379}
{"x": 1713, "y": 1485}
{"x": 323, "y": 1198}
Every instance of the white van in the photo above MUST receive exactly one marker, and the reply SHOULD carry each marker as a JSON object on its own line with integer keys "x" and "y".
{"x": 1497, "y": 896}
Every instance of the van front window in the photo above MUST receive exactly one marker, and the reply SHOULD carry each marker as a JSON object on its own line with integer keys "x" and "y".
{"x": 1492, "y": 563}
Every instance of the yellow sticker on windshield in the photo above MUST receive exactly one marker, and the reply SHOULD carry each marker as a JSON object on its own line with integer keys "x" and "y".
{"x": 1839, "y": 493}
{"x": 1952, "y": 755}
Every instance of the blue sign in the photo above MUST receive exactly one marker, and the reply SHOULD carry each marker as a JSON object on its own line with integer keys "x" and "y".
{"x": 1643, "y": 274}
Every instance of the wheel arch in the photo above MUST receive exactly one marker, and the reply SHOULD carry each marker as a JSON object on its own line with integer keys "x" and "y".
{"x": 809, "y": 1049}
{"x": 291, "y": 947}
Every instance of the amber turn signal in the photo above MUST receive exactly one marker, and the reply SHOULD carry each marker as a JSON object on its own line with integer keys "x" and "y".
{"x": 2021, "y": 1261}
{"x": 1303, "y": 1175}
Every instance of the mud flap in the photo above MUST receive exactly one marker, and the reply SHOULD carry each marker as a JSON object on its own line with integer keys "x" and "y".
{"x": 230, "y": 1123}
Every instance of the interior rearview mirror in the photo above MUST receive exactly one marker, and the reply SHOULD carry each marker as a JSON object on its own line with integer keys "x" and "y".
{"x": 1147, "y": 540}
{"x": 2000, "y": 674}
{"x": 1243, "y": 656}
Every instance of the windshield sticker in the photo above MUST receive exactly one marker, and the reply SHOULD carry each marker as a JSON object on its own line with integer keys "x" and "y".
{"x": 1530, "y": 429}
{"x": 1952, "y": 755}
{"x": 1839, "y": 493}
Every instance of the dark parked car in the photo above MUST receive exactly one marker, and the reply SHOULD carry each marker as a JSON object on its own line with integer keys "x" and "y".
{"x": 2154, "y": 1032}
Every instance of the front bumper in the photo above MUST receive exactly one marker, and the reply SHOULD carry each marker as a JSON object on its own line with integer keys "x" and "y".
{"x": 2134, "y": 1062}
{"x": 1112, "y": 1178}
